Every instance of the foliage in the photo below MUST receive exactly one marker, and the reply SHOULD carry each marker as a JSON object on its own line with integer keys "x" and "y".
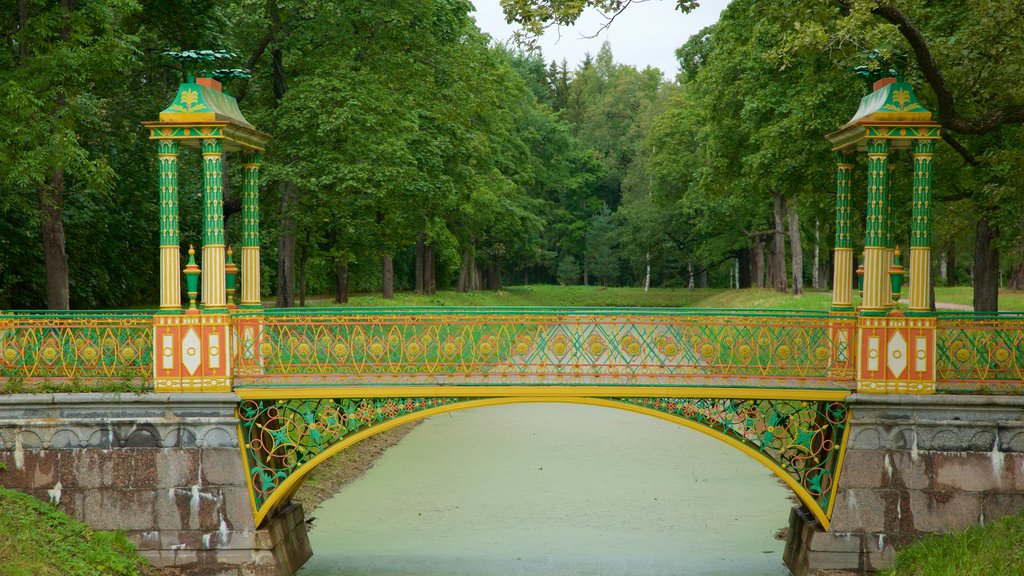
{"x": 393, "y": 121}
{"x": 994, "y": 549}
{"x": 568, "y": 271}
{"x": 39, "y": 540}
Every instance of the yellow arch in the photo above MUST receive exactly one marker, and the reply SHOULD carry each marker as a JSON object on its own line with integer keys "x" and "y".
{"x": 287, "y": 489}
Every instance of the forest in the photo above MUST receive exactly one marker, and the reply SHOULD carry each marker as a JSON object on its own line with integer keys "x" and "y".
{"x": 411, "y": 151}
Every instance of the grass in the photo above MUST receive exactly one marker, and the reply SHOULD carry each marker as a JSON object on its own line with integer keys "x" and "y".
{"x": 39, "y": 540}
{"x": 1009, "y": 300}
{"x": 996, "y": 549}
{"x": 573, "y": 296}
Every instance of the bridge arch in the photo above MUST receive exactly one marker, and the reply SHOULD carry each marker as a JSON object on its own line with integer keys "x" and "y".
{"x": 801, "y": 440}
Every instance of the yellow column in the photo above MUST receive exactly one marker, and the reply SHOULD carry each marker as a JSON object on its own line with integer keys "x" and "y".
{"x": 251, "y": 231}
{"x": 920, "y": 236}
{"x": 214, "y": 295}
{"x": 876, "y": 273}
{"x": 842, "y": 283}
{"x": 170, "y": 252}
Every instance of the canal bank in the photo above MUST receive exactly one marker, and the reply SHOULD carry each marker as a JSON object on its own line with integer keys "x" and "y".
{"x": 554, "y": 489}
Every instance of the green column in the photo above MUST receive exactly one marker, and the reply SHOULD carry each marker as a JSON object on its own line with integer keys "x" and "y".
{"x": 920, "y": 228}
{"x": 251, "y": 230}
{"x": 890, "y": 229}
{"x": 214, "y": 290}
{"x": 876, "y": 273}
{"x": 170, "y": 253}
{"x": 842, "y": 283}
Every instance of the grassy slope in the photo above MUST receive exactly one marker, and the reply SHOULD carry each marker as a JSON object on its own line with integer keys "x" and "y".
{"x": 996, "y": 549}
{"x": 543, "y": 295}
{"x": 39, "y": 540}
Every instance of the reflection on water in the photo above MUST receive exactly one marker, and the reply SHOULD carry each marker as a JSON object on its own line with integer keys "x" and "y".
{"x": 554, "y": 489}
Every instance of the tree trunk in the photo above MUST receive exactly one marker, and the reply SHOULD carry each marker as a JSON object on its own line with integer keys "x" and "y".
{"x": 586, "y": 272}
{"x": 943, "y": 274}
{"x": 703, "y": 277}
{"x": 429, "y": 270}
{"x": 986, "y": 267}
{"x": 743, "y": 259}
{"x": 286, "y": 247}
{"x": 816, "y": 266}
{"x": 1016, "y": 280}
{"x": 689, "y": 268}
{"x": 796, "y": 252}
{"x": 420, "y": 258}
{"x": 55, "y": 257}
{"x": 303, "y": 257}
{"x": 951, "y": 265}
{"x": 465, "y": 273}
{"x": 647, "y": 272}
{"x": 494, "y": 274}
{"x": 777, "y": 247}
{"x": 341, "y": 282}
{"x": 388, "y": 276}
{"x": 758, "y": 260}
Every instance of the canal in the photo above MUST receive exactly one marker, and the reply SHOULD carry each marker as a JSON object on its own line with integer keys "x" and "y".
{"x": 554, "y": 489}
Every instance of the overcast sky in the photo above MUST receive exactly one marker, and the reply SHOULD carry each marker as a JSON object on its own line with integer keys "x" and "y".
{"x": 645, "y": 34}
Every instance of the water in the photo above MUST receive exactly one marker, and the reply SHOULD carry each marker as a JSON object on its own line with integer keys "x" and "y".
{"x": 554, "y": 489}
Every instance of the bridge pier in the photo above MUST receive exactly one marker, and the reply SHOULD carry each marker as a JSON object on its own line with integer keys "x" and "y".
{"x": 165, "y": 468}
{"x": 914, "y": 465}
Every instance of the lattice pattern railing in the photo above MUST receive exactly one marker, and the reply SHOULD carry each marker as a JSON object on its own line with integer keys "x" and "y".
{"x": 980, "y": 352}
{"x": 76, "y": 345}
{"x": 524, "y": 346}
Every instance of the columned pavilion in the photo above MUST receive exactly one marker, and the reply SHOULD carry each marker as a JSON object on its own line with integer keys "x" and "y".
{"x": 897, "y": 350}
{"x": 193, "y": 347}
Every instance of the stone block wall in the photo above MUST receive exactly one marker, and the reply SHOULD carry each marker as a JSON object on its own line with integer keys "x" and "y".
{"x": 166, "y": 469}
{"x": 914, "y": 465}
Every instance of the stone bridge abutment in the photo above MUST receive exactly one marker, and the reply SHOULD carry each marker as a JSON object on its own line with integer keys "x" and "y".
{"x": 914, "y": 465}
{"x": 165, "y": 468}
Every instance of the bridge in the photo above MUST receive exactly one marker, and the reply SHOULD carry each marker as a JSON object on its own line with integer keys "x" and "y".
{"x": 886, "y": 422}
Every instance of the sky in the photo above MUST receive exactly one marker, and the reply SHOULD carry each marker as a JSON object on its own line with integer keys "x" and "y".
{"x": 645, "y": 34}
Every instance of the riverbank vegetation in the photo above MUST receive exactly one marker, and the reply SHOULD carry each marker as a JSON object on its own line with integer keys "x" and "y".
{"x": 411, "y": 152}
{"x": 996, "y": 549}
{"x": 39, "y": 540}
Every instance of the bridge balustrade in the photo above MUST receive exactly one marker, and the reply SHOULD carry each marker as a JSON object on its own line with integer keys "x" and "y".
{"x": 980, "y": 352}
{"x": 543, "y": 346}
{"x": 87, "y": 347}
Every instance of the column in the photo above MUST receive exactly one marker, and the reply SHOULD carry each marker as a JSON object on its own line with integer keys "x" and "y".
{"x": 890, "y": 233}
{"x": 170, "y": 251}
{"x": 920, "y": 228}
{"x": 842, "y": 283}
{"x": 876, "y": 275}
{"x": 213, "y": 289}
{"x": 251, "y": 230}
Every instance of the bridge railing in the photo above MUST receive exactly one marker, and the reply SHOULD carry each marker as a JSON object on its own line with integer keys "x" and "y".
{"x": 980, "y": 352}
{"x": 80, "y": 345}
{"x": 662, "y": 346}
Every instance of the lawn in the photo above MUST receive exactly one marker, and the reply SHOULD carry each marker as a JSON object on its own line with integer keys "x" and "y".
{"x": 39, "y": 540}
{"x": 996, "y": 549}
{"x": 572, "y": 296}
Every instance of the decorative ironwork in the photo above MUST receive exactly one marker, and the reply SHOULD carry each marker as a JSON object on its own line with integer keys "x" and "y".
{"x": 978, "y": 352}
{"x": 800, "y": 439}
{"x": 536, "y": 346}
{"x": 76, "y": 345}
{"x": 281, "y": 436}
{"x": 803, "y": 438}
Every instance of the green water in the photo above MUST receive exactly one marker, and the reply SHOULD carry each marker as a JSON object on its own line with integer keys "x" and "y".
{"x": 554, "y": 489}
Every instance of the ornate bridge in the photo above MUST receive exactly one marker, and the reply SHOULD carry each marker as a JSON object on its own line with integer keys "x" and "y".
{"x": 309, "y": 383}
{"x": 312, "y": 383}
